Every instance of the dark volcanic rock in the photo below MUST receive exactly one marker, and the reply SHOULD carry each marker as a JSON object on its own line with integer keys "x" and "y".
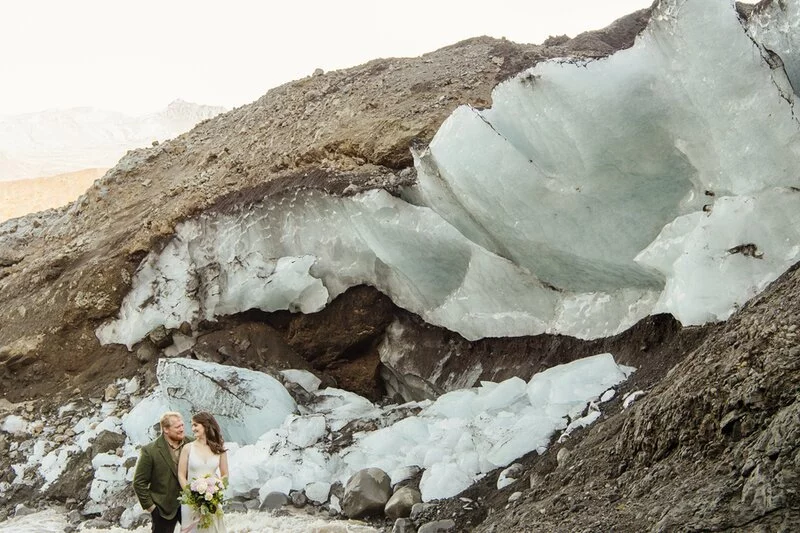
{"x": 107, "y": 441}
{"x": 76, "y": 479}
{"x": 248, "y": 344}
{"x": 423, "y": 361}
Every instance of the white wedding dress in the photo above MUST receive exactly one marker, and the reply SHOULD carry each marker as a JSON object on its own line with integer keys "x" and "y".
{"x": 197, "y": 469}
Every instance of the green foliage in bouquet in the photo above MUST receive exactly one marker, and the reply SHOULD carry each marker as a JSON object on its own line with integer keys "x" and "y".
{"x": 205, "y": 496}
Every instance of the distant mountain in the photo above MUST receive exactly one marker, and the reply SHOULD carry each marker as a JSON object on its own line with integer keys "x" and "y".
{"x": 65, "y": 140}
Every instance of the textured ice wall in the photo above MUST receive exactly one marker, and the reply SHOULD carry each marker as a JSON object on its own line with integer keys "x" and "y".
{"x": 776, "y": 26}
{"x": 577, "y": 168}
{"x": 663, "y": 178}
{"x": 246, "y": 403}
{"x": 287, "y": 256}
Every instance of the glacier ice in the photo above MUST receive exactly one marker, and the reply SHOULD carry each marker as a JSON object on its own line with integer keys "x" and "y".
{"x": 466, "y": 433}
{"x": 591, "y": 194}
{"x": 246, "y": 403}
{"x": 457, "y": 439}
{"x": 304, "y": 378}
{"x": 776, "y": 26}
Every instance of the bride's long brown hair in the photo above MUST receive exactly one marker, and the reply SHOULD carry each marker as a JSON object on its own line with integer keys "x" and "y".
{"x": 213, "y": 434}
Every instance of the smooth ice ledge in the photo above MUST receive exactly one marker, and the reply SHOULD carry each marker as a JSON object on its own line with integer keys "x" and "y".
{"x": 591, "y": 194}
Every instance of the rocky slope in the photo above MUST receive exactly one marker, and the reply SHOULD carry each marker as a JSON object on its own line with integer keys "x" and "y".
{"x": 712, "y": 445}
{"x": 63, "y": 272}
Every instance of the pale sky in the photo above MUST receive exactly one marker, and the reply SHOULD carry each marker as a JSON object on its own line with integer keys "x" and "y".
{"x": 139, "y": 56}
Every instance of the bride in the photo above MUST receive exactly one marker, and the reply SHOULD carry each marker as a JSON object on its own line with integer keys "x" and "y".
{"x": 205, "y": 455}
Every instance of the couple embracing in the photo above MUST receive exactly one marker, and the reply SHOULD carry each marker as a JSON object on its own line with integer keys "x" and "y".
{"x": 172, "y": 461}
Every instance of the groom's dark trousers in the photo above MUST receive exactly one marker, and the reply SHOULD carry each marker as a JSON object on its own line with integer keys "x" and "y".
{"x": 164, "y": 525}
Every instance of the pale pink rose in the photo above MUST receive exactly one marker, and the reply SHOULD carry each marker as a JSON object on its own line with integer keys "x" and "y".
{"x": 202, "y": 486}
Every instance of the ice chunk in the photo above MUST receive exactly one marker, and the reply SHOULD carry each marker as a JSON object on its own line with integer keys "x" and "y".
{"x": 304, "y": 378}
{"x": 318, "y": 491}
{"x": 305, "y": 430}
{"x": 443, "y": 480}
{"x": 16, "y": 425}
{"x": 566, "y": 387}
{"x": 141, "y": 424}
{"x": 246, "y": 403}
{"x": 280, "y": 484}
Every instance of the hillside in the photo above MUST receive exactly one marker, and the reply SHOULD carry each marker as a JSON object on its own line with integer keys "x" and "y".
{"x": 242, "y": 241}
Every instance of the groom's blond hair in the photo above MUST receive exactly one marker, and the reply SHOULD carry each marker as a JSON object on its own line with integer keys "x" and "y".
{"x": 166, "y": 418}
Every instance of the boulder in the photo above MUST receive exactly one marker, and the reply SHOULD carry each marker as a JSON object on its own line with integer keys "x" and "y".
{"x": 401, "y": 502}
{"x": 75, "y": 480}
{"x": 23, "y": 510}
{"x": 107, "y": 441}
{"x": 418, "y": 509}
{"x": 146, "y": 352}
{"x": 439, "y": 526}
{"x": 274, "y": 501}
{"x": 509, "y": 475}
{"x": 160, "y": 337}
{"x": 403, "y": 525}
{"x": 366, "y": 492}
{"x": 298, "y": 498}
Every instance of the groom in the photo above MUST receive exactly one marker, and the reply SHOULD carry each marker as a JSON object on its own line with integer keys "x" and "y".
{"x": 156, "y": 479}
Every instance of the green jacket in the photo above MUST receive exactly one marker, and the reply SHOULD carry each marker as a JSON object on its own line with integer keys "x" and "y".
{"x": 156, "y": 478}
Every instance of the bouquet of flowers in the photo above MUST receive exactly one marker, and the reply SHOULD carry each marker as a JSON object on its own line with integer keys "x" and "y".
{"x": 205, "y": 496}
